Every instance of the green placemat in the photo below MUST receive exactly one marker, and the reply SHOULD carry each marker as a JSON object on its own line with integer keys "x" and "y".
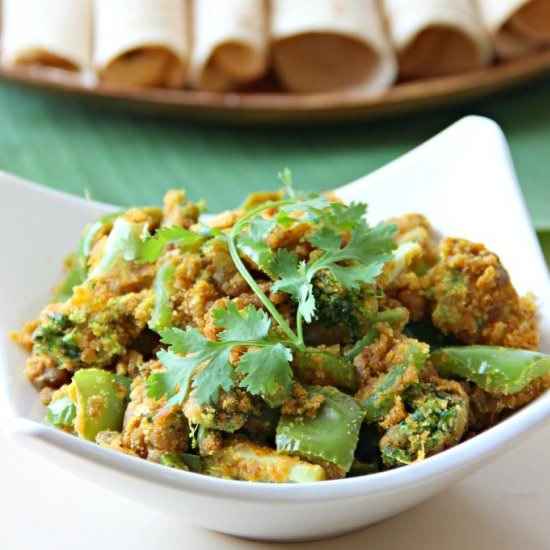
{"x": 128, "y": 159}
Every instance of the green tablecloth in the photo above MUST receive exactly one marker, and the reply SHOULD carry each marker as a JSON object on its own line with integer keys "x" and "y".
{"x": 126, "y": 159}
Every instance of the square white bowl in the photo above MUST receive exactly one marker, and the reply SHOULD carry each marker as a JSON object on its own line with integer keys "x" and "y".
{"x": 462, "y": 179}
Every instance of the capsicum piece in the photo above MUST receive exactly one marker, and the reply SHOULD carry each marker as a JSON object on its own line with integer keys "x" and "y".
{"x": 381, "y": 397}
{"x": 247, "y": 461}
{"x": 99, "y": 399}
{"x": 161, "y": 317}
{"x": 330, "y": 437}
{"x": 493, "y": 369}
{"x": 182, "y": 461}
{"x": 397, "y": 318}
{"x": 437, "y": 420}
{"x": 325, "y": 369}
{"x": 97, "y": 228}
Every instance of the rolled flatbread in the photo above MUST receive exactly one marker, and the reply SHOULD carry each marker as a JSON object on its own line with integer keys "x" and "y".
{"x": 327, "y": 45}
{"x": 55, "y": 33}
{"x": 141, "y": 42}
{"x": 437, "y": 37}
{"x": 517, "y": 26}
{"x": 231, "y": 47}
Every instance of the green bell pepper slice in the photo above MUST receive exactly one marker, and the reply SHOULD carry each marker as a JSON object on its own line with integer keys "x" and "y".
{"x": 247, "y": 461}
{"x": 397, "y": 318}
{"x": 182, "y": 461}
{"x": 103, "y": 224}
{"x": 323, "y": 368}
{"x": 161, "y": 317}
{"x": 329, "y": 437}
{"x": 79, "y": 271}
{"x": 492, "y": 368}
{"x": 381, "y": 397}
{"x": 99, "y": 399}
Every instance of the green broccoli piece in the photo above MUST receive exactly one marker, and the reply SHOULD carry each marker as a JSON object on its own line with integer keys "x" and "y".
{"x": 92, "y": 333}
{"x": 228, "y": 414}
{"x": 341, "y": 315}
{"x": 437, "y": 419}
{"x": 56, "y": 337}
{"x": 472, "y": 298}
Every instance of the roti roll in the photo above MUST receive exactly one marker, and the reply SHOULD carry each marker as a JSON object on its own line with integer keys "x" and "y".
{"x": 55, "y": 33}
{"x": 434, "y": 37}
{"x": 231, "y": 47}
{"x": 517, "y": 27}
{"x": 328, "y": 45}
{"x": 141, "y": 42}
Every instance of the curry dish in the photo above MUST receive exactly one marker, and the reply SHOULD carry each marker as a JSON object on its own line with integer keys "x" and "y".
{"x": 285, "y": 341}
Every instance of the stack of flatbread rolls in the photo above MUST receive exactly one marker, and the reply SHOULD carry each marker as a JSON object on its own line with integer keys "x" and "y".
{"x": 310, "y": 46}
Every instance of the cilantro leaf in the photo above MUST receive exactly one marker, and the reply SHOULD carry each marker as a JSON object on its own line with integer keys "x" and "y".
{"x": 252, "y": 245}
{"x": 260, "y": 228}
{"x": 210, "y": 360}
{"x": 360, "y": 261}
{"x": 307, "y": 209}
{"x": 207, "y": 362}
{"x": 341, "y": 217}
{"x": 153, "y": 247}
{"x": 255, "y": 250}
{"x": 175, "y": 381}
{"x": 369, "y": 247}
{"x": 251, "y": 324}
{"x": 268, "y": 373}
{"x": 294, "y": 280}
{"x": 326, "y": 239}
{"x": 184, "y": 341}
{"x": 216, "y": 375}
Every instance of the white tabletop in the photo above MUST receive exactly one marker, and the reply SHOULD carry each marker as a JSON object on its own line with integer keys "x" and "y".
{"x": 505, "y": 506}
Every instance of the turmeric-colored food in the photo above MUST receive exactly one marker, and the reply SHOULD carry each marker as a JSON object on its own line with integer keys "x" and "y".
{"x": 285, "y": 341}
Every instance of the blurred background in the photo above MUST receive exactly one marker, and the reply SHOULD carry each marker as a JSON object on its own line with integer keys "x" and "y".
{"x": 333, "y": 89}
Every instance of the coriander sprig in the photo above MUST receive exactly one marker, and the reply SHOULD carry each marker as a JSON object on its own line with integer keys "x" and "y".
{"x": 357, "y": 262}
{"x": 344, "y": 244}
{"x": 265, "y": 365}
{"x": 239, "y": 264}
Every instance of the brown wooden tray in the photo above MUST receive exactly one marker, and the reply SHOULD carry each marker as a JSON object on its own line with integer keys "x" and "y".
{"x": 273, "y": 106}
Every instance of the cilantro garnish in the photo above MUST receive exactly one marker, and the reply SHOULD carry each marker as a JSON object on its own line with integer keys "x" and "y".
{"x": 345, "y": 244}
{"x": 265, "y": 364}
{"x": 153, "y": 247}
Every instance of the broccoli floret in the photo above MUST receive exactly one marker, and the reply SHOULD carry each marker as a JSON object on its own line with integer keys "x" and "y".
{"x": 472, "y": 298}
{"x": 89, "y": 330}
{"x": 153, "y": 427}
{"x": 341, "y": 315}
{"x": 229, "y": 414}
{"x": 437, "y": 420}
{"x": 56, "y": 337}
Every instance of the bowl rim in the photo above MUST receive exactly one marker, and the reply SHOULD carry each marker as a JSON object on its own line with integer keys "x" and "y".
{"x": 467, "y": 454}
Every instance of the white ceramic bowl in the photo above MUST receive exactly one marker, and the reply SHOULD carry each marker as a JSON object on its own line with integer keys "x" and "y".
{"x": 462, "y": 179}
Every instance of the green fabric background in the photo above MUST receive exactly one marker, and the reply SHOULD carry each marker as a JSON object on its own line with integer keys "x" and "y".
{"x": 128, "y": 159}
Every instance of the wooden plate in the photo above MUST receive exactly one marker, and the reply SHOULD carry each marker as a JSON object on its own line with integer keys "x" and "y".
{"x": 273, "y": 106}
